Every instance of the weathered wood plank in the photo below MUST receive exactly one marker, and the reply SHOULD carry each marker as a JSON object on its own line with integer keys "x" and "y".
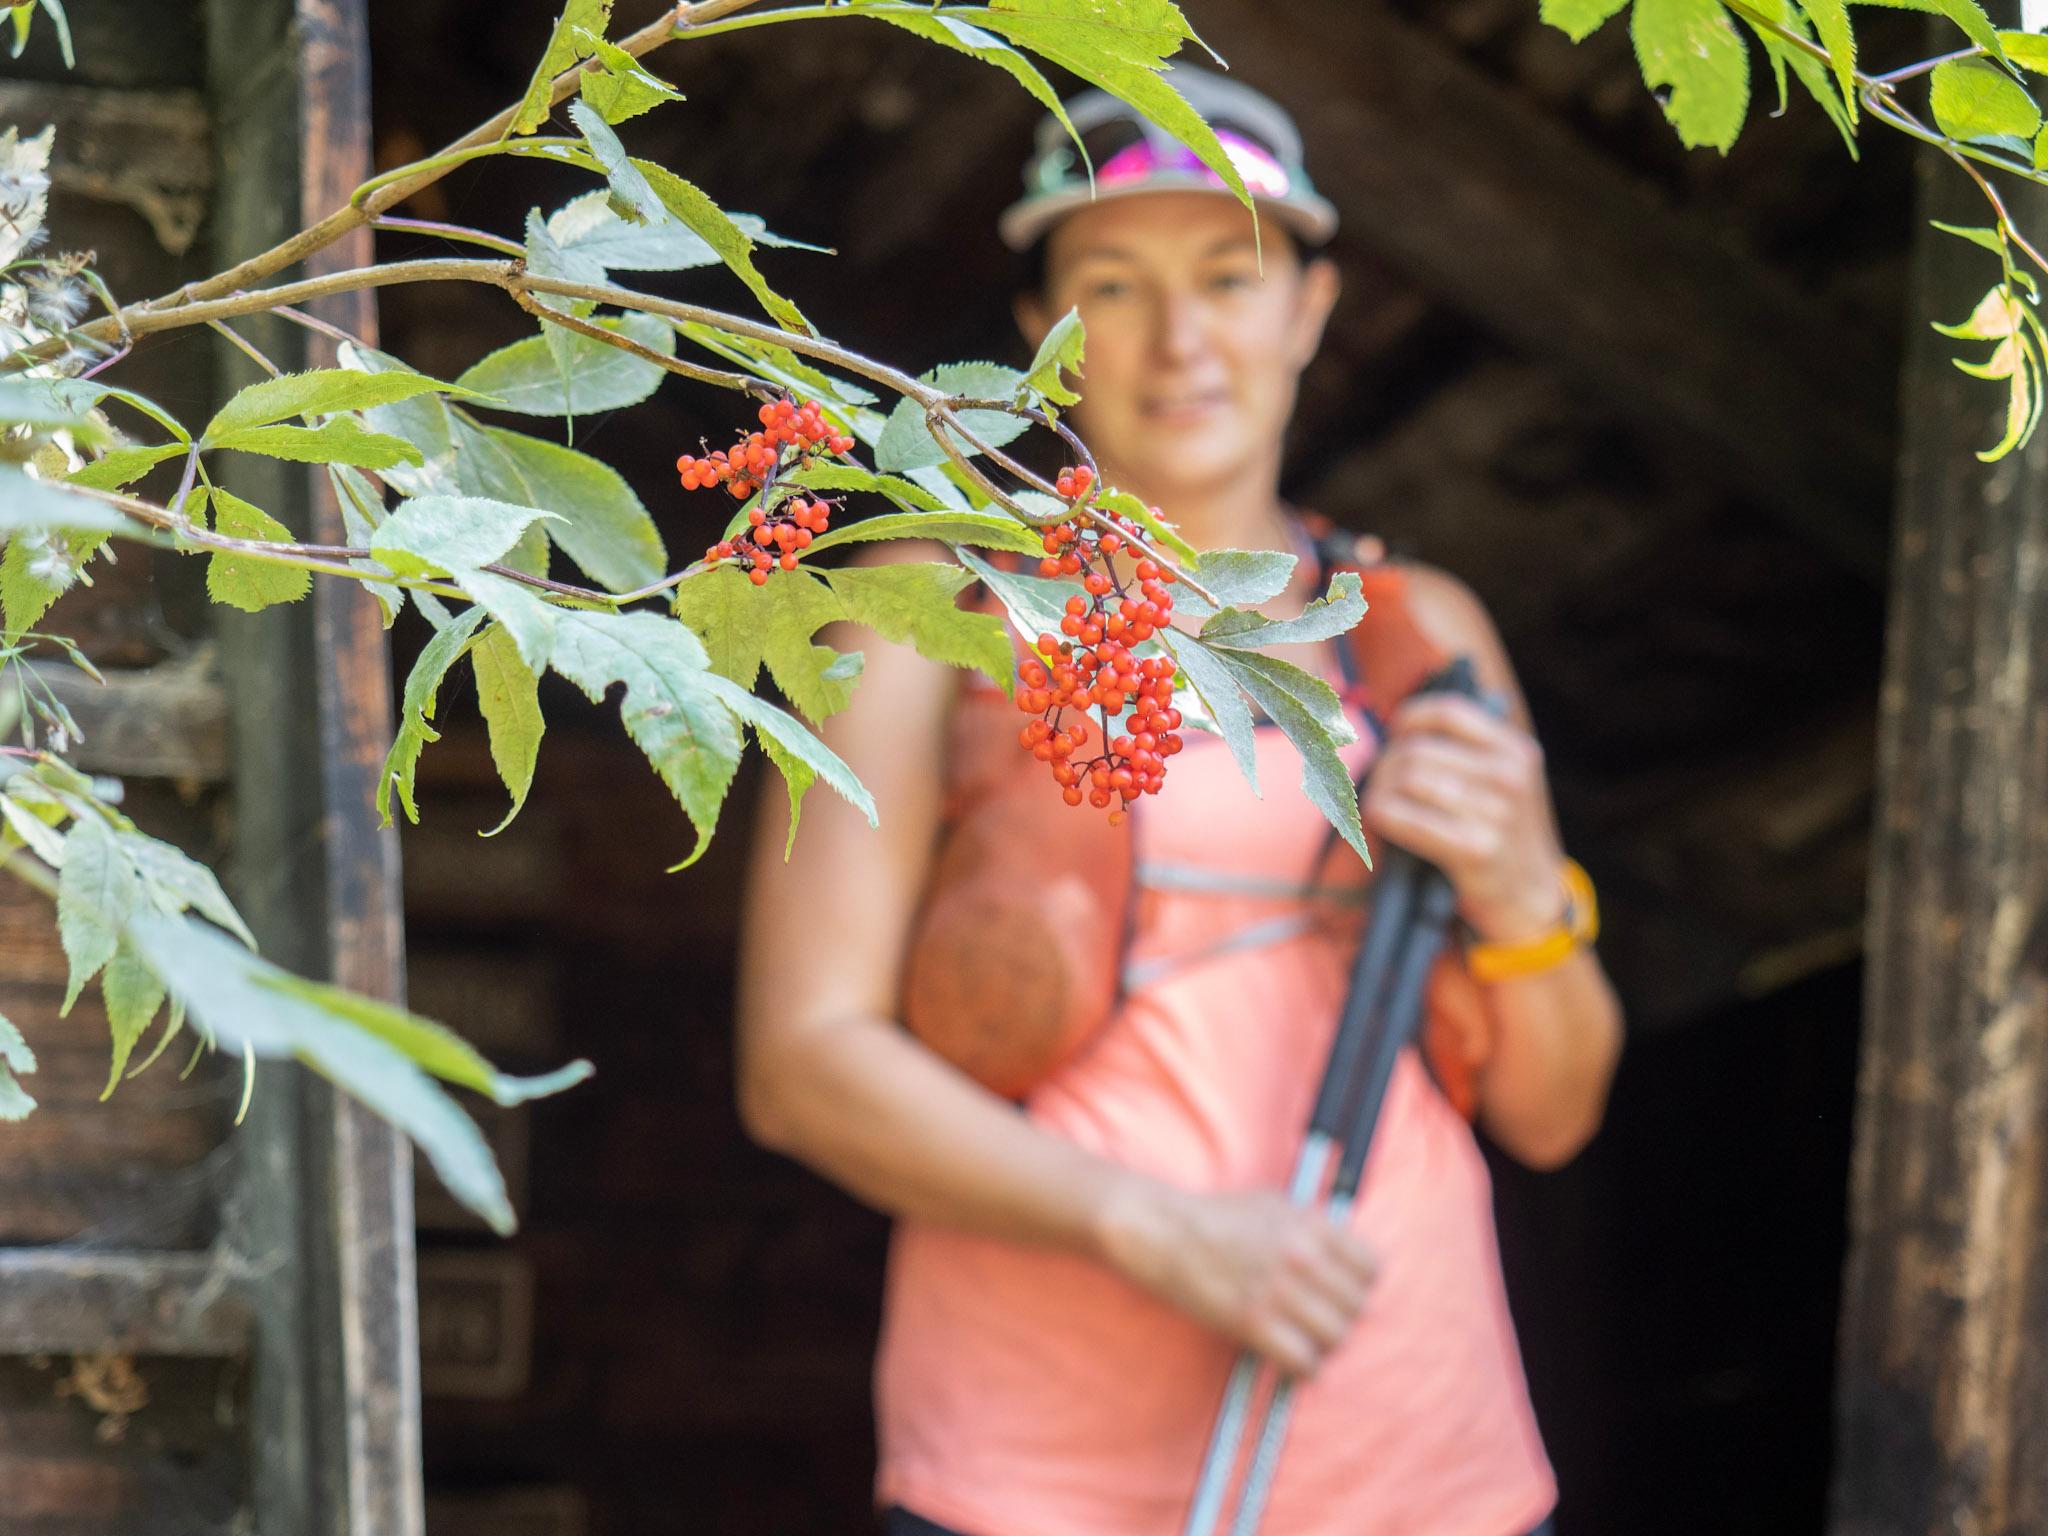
{"x": 149, "y": 150}
{"x": 476, "y": 1323}
{"x": 1943, "y": 1373}
{"x": 69, "y": 1301}
{"x": 167, "y": 721}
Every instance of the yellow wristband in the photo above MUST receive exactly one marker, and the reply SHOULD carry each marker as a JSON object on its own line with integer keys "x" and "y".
{"x": 1579, "y": 925}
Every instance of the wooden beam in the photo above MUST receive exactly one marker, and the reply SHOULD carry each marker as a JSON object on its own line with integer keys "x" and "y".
{"x": 59, "y": 1301}
{"x": 168, "y": 721}
{"x": 1942, "y": 1394}
{"x": 1512, "y": 218}
{"x": 150, "y": 150}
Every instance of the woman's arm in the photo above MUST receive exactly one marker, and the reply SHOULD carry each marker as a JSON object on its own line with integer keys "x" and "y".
{"x": 829, "y": 1077}
{"x": 1466, "y": 790}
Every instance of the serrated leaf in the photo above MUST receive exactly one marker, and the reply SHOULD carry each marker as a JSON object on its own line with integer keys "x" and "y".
{"x": 16, "y": 1059}
{"x": 26, "y": 597}
{"x": 1119, "y": 46}
{"x": 1156, "y": 528}
{"x": 1221, "y": 698}
{"x": 362, "y": 511}
{"x": 44, "y": 405}
{"x": 585, "y": 227}
{"x": 1831, "y": 25}
{"x": 1060, "y": 352}
{"x": 688, "y": 204}
{"x": 668, "y": 708}
{"x": 780, "y": 366}
{"x": 36, "y": 832}
{"x": 525, "y": 377}
{"x": 95, "y": 896}
{"x": 797, "y": 778}
{"x": 1975, "y": 100}
{"x": 369, "y": 1050}
{"x": 621, "y": 87}
{"x": 1285, "y": 694}
{"x": 343, "y": 440}
{"x": 772, "y": 724}
{"x": 1987, "y": 238}
{"x": 783, "y": 617}
{"x": 1035, "y": 604}
{"x": 122, "y": 466}
{"x": 241, "y": 581}
{"x": 983, "y": 530}
{"x": 599, "y": 523}
{"x": 1333, "y": 614}
{"x": 917, "y": 605}
{"x": 852, "y": 477}
{"x": 2029, "y": 50}
{"x": 416, "y": 713}
{"x": 719, "y": 607}
{"x": 509, "y": 695}
{"x": 132, "y": 995}
{"x": 562, "y": 51}
{"x": 1237, "y": 578}
{"x": 319, "y": 392}
{"x": 172, "y": 881}
{"x": 631, "y": 197}
{"x": 1691, "y": 47}
{"x": 1578, "y": 19}
{"x": 449, "y": 535}
{"x": 906, "y": 443}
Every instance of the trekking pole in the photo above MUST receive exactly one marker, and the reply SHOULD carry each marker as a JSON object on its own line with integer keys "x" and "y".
{"x": 1434, "y": 906}
{"x": 1336, "y": 1110}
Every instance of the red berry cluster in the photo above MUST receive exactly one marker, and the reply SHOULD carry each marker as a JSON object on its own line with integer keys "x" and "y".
{"x": 790, "y": 434}
{"x": 775, "y": 539}
{"x": 1093, "y": 667}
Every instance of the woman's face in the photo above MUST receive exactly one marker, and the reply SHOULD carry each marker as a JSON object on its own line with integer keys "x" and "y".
{"x": 1192, "y": 355}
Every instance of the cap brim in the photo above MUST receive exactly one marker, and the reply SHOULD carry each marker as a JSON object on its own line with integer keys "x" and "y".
{"x": 1025, "y": 221}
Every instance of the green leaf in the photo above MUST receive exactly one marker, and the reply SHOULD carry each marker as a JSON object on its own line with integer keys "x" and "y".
{"x": 1831, "y": 25}
{"x": 416, "y": 714}
{"x": 1578, "y": 19}
{"x": 1693, "y": 48}
{"x": 27, "y": 503}
{"x": 562, "y": 51}
{"x": 450, "y": 535}
{"x": 1330, "y": 615}
{"x": 950, "y": 32}
{"x": 1975, "y": 100}
{"x": 1157, "y": 529}
{"x": 122, "y": 466}
{"x": 321, "y": 392}
{"x": 173, "y": 881}
{"x": 2029, "y": 50}
{"x": 984, "y": 530}
{"x": 797, "y": 778}
{"x": 1119, "y": 46}
{"x": 343, "y": 440}
{"x": 95, "y": 895}
{"x": 362, "y": 511}
{"x": 1985, "y": 237}
{"x": 1035, "y": 604}
{"x": 697, "y": 212}
{"x": 431, "y": 1046}
{"x": 1237, "y": 577}
{"x": 917, "y": 605}
{"x": 669, "y": 708}
{"x": 45, "y": 406}
{"x": 599, "y": 523}
{"x": 906, "y": 443}
{"x": 1221, "y": 698}
{"x": 243, "y": 1002}
{"x": 24, "y": 596}
{"x": 1291, "y": 700}
{"x": 772, "y": 724}
{"x": 780, "y": 366}
{"x": 509, "y": 695}
{"x": 241, "y": 581}
{"x": 133, "y": 995}
{"x": 524, "y": 377}
{"x": 621, "y": 87}
{"x": 723, "y": 609}
{"x": 852, "y": 477}
{"x": 632, "y": 198}
{"x": 1060, "y": 351}
{"x": 586, "y": 227}
{"x": 787, "y": 612}
{"x": 17, "y": 1058}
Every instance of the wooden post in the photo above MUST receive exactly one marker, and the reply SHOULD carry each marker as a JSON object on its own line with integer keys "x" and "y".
{"x": 336, "y": 1448}
{"x": 1942, "y": 1411}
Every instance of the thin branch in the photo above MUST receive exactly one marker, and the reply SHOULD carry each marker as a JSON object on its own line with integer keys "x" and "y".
{"x": 245, "y": 348}
{"x": 745, "y": 383}
{"x": 450, "y": 232}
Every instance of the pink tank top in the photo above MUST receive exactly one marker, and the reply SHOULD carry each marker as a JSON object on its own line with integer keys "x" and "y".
{"x": 1027, "y": 1392}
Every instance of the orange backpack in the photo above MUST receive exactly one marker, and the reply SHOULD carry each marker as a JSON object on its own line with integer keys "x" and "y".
{"x": 1016, "y": 958}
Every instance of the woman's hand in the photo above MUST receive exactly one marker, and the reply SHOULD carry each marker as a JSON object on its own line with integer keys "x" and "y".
{"x": 1272, "y": 1276}
{"x": 1464, "y": 789}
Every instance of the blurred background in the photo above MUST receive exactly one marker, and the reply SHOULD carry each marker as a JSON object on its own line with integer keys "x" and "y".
{"x": 1641, "y": 400}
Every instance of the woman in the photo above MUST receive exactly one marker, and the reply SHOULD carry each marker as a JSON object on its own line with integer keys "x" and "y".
{"x": 1068, "y": 1284}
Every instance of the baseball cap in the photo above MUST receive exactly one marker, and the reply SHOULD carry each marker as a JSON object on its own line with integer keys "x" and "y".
{"x": 1132, "y": 155}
